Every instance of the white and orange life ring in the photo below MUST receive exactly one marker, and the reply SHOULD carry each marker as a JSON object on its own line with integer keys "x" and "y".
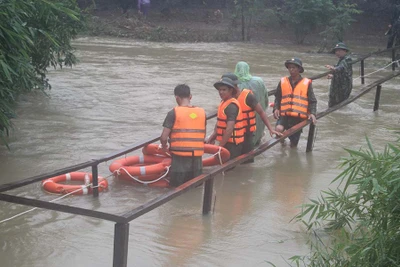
{"x": 57, "y": 184}
{"x": 220, "y": 154}
{"x": 144, "y": 166}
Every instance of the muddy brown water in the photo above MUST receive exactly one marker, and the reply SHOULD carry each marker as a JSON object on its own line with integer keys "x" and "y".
{"x": 118, "y": 95}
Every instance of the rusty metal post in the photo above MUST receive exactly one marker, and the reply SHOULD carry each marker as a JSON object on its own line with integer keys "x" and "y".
{"x": 311, "y": 135}
{"x": 362, "y": 72}
{"x": 393, "y": 59}
{"x": 121, "y": 238}
{"x": 95, "y": 180}
{"x": 377, "y": 97}
{"x": 207, "y": 197}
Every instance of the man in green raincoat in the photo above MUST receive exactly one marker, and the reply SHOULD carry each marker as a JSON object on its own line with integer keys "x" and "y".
{"x": 342, "y": 76}
{"x": 257, "y": 86}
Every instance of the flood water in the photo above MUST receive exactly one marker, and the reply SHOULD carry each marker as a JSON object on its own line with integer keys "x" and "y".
{"x": 119, "y": 94}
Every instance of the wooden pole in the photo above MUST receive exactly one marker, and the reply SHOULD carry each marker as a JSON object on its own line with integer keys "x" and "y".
{"x": 377, "y": 97}
{"x": 95, "y": 180}
{"x": 121, "y": 238}
{"x": 311, "y": 134}
{"x": 393, "y": 59}
{"x": 207, "y": 197}
{"x": 362, "y": 72}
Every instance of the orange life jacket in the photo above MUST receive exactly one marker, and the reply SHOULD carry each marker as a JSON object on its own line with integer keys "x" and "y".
{"x": 294, "y": 102}
{"x": 188, "y": 133}
{"x": 249, "y": 116}
{"x": 237, "y": 136}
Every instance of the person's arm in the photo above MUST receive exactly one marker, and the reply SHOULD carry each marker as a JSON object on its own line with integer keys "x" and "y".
{"x": 211, "y": 138}
{"x": 265, "y": 119}
{"x": 312, "y": 104}
{"x": 277, "y": 103}
{"x": 228, "y": 132}
{"x": 168, "y": 124}
{"x": 164, "y": 138}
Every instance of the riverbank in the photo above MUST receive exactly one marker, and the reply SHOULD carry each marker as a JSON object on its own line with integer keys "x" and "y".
{"x": 212, "y": 25}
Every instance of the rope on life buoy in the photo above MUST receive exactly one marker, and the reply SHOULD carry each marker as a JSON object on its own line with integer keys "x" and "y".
{"x": 140, "y": 181}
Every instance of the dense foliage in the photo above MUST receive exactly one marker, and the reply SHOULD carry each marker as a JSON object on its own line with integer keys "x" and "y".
{"x": 33, "y": 36}
{"x": 331, "y": 18}
{"x": 358, "y": 223}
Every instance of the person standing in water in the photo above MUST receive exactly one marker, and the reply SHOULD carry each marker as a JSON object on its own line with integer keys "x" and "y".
{"x": 294, "y": 100}
{"x": 250, "y": 107}
{"x": 229, "y": 130}
{"x": 342, "y": 76}
{"x": 185, "y": 129}
{"x": 257, "y": 86}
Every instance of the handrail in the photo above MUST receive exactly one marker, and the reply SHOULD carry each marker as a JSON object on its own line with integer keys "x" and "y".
{"x": 60, "y": 207}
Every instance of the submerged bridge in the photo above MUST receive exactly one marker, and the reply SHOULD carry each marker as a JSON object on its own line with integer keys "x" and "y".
{"x": 121, "y": 228}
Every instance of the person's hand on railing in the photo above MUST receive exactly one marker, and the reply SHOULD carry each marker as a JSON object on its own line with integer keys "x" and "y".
{"x": 276, "y": 133}
{"x": 312, "y": 118}
{"x": 277, "y": 114}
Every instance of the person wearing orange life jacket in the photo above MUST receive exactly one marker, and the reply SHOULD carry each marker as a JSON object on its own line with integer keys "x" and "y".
{"x": 294, "y": 100}
{"x": 185, "y": 129}
{"x": 250, "y": 106}
{"x": 229, "y": 130}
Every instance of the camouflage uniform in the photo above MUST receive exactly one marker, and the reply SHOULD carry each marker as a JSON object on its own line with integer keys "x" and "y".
{"x": 342, "y": 81}
{"x": 394, "y": 31}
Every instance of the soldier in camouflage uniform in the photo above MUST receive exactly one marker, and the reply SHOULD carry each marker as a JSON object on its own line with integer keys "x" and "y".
{"x": 394, "y": 28}
{"x": 342, "y": 76}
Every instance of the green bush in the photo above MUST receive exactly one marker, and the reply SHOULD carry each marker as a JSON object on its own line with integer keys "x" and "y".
{"x": 33, "y": 36}
{"x": 358, "y": 223}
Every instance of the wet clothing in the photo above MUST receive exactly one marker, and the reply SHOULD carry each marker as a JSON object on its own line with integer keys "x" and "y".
{"x": 183, "y": 168}
{"x": 342, "y": 81}
{"x": 289, "y": 121}
{"x": 232, "y": 112}
{"x": 255, "y": 84}
{"x": 248, "y": 103}
{"x": 249, "y": 116}
{"x": 237, "y": 135}
{"x": 188, "y": 132}
{"x": 394, "y": 31}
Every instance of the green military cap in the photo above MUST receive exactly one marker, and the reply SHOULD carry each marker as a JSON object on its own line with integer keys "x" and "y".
{"x": 340, "y": 45}
{"x": 295, "y": 61}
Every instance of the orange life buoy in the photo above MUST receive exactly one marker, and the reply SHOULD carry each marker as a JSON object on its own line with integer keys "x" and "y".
{"x": 139, "y": 166}
{"x": 153, "y": 149}
{"x": 216, "y": 159}
{"x": 55, "y": 184}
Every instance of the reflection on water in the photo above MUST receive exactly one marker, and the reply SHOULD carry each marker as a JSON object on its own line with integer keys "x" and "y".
{"x": 118, "y": 95}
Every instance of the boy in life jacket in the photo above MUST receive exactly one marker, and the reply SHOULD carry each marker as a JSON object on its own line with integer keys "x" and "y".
{"x": 250, "y": 106}
{"x": 294, "y": 100}
{"x": 229, "y": 130}
{"x": 185, "y": 129}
